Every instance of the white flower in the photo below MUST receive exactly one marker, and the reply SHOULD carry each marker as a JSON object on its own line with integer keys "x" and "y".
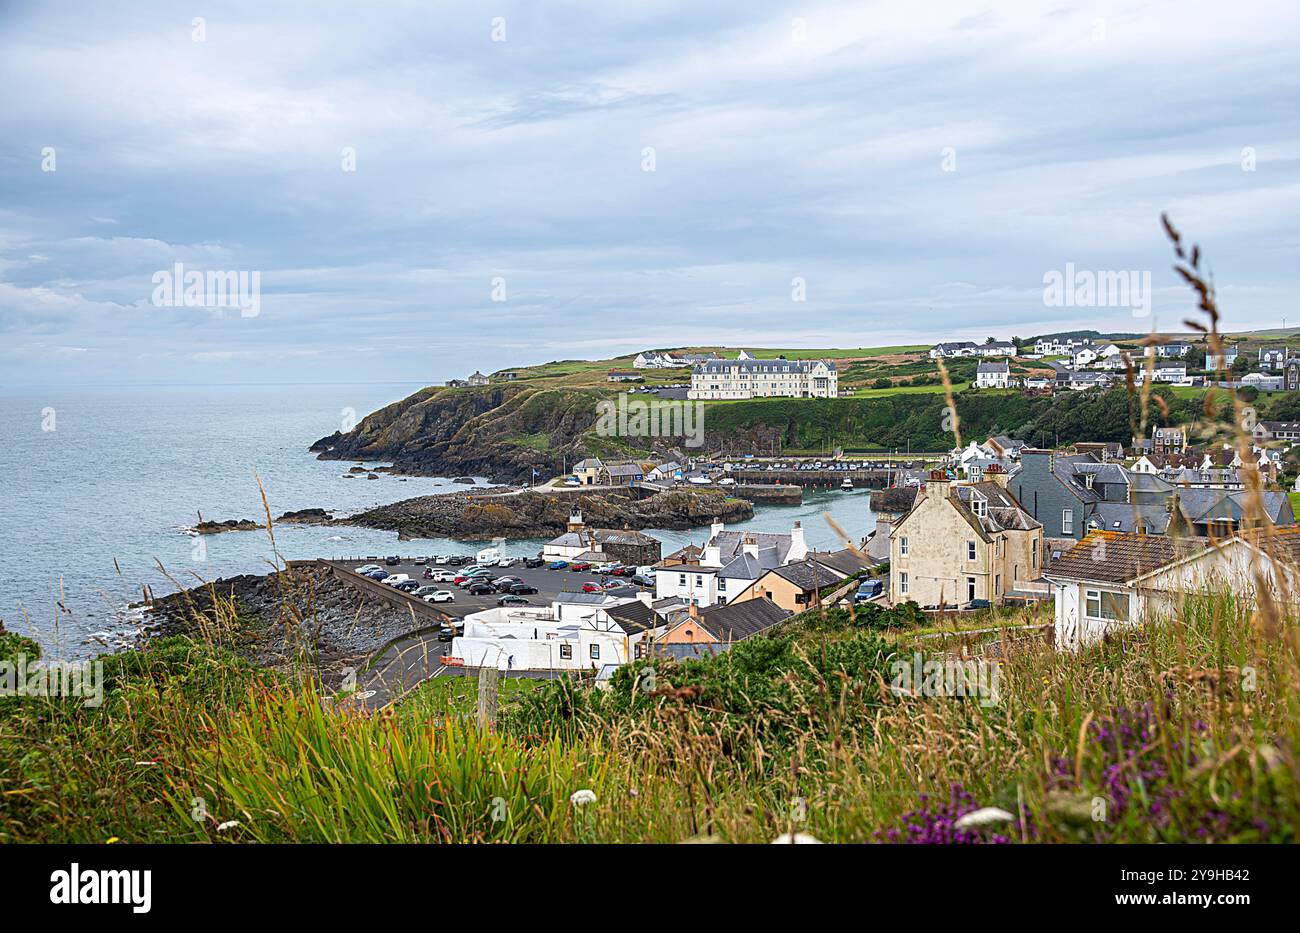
{"x": 983, "y": 817}
{"x": 228, "y": 824}
{"x": 798, "y": 839}
{"x": 583, "y": 797}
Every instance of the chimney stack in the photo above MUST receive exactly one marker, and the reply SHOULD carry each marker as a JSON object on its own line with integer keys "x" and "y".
{"x": 693, "y": 610}
{"x": 798, "y": 547}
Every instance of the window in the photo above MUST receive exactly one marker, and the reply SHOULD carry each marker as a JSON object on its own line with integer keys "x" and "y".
{"x": 1067, "y": 521}
{"x": 970, "y": 550}
{"x": 681, "y": 579}
{"x": 595, "y": 652}
{"x": 970, "y": 589}
{"x": 722, "y": 584}
{"x": 978, "y": 505}
{"x": 638, "y": 650}
{"x": 997, "y": 585}
{"x": 1101, "y": 604}
{"x": 902, "y": 583}
{"x": 902, "y": 547}
{"x": 566, "y": 650}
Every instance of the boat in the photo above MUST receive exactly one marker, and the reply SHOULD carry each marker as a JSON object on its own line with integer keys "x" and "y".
{"x": 700, "y": 481}
{"x": 847, "y": 484}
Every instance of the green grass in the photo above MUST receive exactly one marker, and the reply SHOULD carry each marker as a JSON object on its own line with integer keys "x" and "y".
{"x": 459, "y": 695}
{"x": 908, "y": 390}
{"x": 837, "y": 354}
{"x": 1295, "y": 502}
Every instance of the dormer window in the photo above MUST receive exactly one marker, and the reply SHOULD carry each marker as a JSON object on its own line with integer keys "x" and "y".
{"x": 1087, "y": 480}
{"x": 978, "y": 506}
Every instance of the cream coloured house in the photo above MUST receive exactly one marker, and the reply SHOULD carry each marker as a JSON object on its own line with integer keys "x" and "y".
{"x": 962, "y": 542}
{"x": 731, "y": 379}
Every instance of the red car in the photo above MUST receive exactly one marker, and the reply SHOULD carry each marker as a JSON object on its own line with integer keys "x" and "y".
{"x": 590, "y": 587}
{"x": 623, "y": 571}
{"x": 580, "y": 566}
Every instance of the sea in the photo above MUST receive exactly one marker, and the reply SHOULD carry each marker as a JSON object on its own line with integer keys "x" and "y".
{"x": 103, "y": 483}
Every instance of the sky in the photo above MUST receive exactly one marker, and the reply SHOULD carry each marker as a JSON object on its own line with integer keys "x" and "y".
{"x": 420, "y": 190}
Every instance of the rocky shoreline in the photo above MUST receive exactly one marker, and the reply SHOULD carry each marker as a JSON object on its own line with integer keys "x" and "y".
{"x": 283, "y": 619}
{"x": 516, "y": 513}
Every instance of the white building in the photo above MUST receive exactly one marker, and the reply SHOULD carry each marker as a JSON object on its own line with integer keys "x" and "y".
{"x": 729, "y": 563}
{"x": 739, "y": 379}
{"x": 993, "y": 375}
{"x": 1110, "y": 582}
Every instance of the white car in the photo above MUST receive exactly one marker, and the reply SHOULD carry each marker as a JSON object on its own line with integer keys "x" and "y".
{"x": 726, "y": 481}
{"x": 603, "y": 568}
{"x": 440, "y": 559}
{"x": 507, "y": 561}
{"x": 444, "y": 576}
{"x": 442, "y": 596}
{"x": 394, "y": 578}
{"x": 645, "y": 570}
{"x": 368, "y": 568}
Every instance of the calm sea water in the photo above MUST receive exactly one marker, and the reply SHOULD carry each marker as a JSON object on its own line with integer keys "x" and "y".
{"x": 102, "y": 483}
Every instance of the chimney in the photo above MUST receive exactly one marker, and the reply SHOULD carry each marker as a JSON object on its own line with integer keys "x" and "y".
{"x": 938, "y": 485}
{"x": 750, "y": 546}
{"x": 646, "y": 597}
{"x": 715, "y": 529}
{"x": 575, "y": 519}
{"x": 798, "y": 547}
{"x": 693, "y": 610}
{"x": 996, "y": 474}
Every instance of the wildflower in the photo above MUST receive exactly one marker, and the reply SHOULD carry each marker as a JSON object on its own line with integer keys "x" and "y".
{"x": 983, "y": 817}
{"x": 110, "y": 840}
{"x": 797, "y": 839}
{"x": 583, "y": 797}
{"x": 228, "y": 824}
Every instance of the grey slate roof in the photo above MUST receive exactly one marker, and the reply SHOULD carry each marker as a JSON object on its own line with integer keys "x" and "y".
{"x": 762, "y": 366}
{"x": 738, "y": 621}
{"x": 732, "y": 543}
{"x": 808, "y": 575}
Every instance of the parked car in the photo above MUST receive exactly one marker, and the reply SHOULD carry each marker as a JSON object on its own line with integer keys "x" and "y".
{"x": 503, "y": 584}
{"x": 869, "y": 589}
{"x": 580, "y": 567}
{"x": 604, "y": 568}
{"x": 523, "y": 589}
{"x": 421, "y": 561}
{"x": 440, "y": 596}
{"x": 534, "y": 562}
{"x": 557, "y": 565}
{"x": 646, "y": 570}
{"x": 366, "y": 568}
{"x": 443, "y": 576}
{"x": 591, "y": 587}
{"x": 379, "y": 575}
{"x": 392, "y": 561}
{"x": 440, "y": 559}
{"x": 507, "y": 561}
{"x": 625, "y": 571}
{"x": 480, "y": 589}
{"x": 643, "y": 580}
{"x": 512, "y": 600}
{"x": 396, "y": 578}
{"x": 613, "y": 584}
{"x": 424, "y": 591}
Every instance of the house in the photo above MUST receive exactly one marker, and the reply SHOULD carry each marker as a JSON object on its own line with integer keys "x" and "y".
{"x": 794, "y": 587}
{"x": 603, "y": 544}
{"x": 625, "y": 375}
{"x": 953, "y": 349}
{"x": 1273, "y": 357}
{"x": 963, "y": 542}
{"x": 1161, "y": 441}
{"x": 1002, "y": 446}
{"x": 1167, "y": 350}
{"x": 1264, "y": 382}
{"x": 725, "y": 624}
{"x": 1170, "y": 373}
{"x": 506, "y": 375}
{"x": 727, "y": 565}
{"x": 476, "y": 378}
{"x": 457, "y": 383}
{"x": 1224, "y": 360}
{"x": 994, "y": 375}
{"x": 668, "y": 472}
{"x": 1039, "y": 383}
{"x": 587, "y": 471}
{"x": 1061, "y": 491}
{"x": 1084, "y": 355}
{"x": 996, "y": 348}
{"x": 740, "y": 379}
{"x": 1108, "y": 582}
{"x": 1059, "y": 346}
{"x": 621, "y": 474}
{"x": 1103, "y": 451}
{"x": 1277, "y": 431}
{"x": 1080, "y": 382}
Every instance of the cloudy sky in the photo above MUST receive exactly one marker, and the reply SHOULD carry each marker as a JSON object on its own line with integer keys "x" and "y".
{"x": 918, "y": 168}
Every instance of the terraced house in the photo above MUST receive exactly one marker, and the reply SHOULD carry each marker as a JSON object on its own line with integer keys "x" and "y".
{"x": 964, "y": 542}
{"x": 739, "y": 379}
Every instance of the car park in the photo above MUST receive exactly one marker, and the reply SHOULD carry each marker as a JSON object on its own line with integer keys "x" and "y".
{"x": 591, "y": 587}
{"x": 580, "y": 567}
{"x": 443, "y": 576}
{"x": 421, "y": 561}
{"x": 367, "y": 568}
{"x": 407, "y": 586}
{"x": 557, "y": 565}
{"x": 603, "y": 568}
{"x": 396, "y": 578}
{"x": 480, "y": 589}
{"x": 507, "y": 561}
{"x": 392, "y": 561}
{"x": 523, "y": 589}
{"x": 440, "y": 596}
{"x": 512, "y": 600}
{"x": 440, "y": 560}
{"x": 534, "y": 562}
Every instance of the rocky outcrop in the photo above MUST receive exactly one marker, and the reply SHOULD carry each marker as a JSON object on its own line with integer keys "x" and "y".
{"x": 281, "y": 619}
{"x": 502, "y": 432}
{"x": 536, "y": 514}
{"x": 300, "y": 517}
